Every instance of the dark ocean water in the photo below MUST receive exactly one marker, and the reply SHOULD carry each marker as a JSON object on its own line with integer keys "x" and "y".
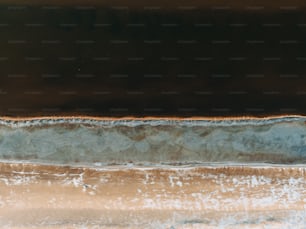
{"x": 168, "y": 58}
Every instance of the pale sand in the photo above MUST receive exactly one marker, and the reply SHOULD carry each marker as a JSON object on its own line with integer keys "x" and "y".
{"x": 46, "y": 196}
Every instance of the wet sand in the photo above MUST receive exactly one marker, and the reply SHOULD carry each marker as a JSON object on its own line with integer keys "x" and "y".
{"x": 82, "y": 140}
{"x": 50, "y": 196}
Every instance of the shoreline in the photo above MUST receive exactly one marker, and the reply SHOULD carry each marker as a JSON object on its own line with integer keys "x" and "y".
{"x": 151, "y": 120}
{"x": 153, "y": 141}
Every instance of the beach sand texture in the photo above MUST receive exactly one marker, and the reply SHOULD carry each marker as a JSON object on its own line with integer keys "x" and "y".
{"x": 85, "y": 172}
{"x": 47, "y": 196}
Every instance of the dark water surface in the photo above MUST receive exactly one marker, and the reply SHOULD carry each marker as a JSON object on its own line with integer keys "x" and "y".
{"x": 153, "y": 59}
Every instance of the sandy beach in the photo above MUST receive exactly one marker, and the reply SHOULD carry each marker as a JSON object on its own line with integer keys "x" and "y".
{"x": 50, "y": 196}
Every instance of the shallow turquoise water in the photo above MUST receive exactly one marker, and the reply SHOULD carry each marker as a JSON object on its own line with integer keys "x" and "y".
{"x": 103, "y": 142}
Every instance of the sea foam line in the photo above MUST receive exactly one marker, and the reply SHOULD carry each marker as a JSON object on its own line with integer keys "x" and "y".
{"x": 153, "y": 121}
